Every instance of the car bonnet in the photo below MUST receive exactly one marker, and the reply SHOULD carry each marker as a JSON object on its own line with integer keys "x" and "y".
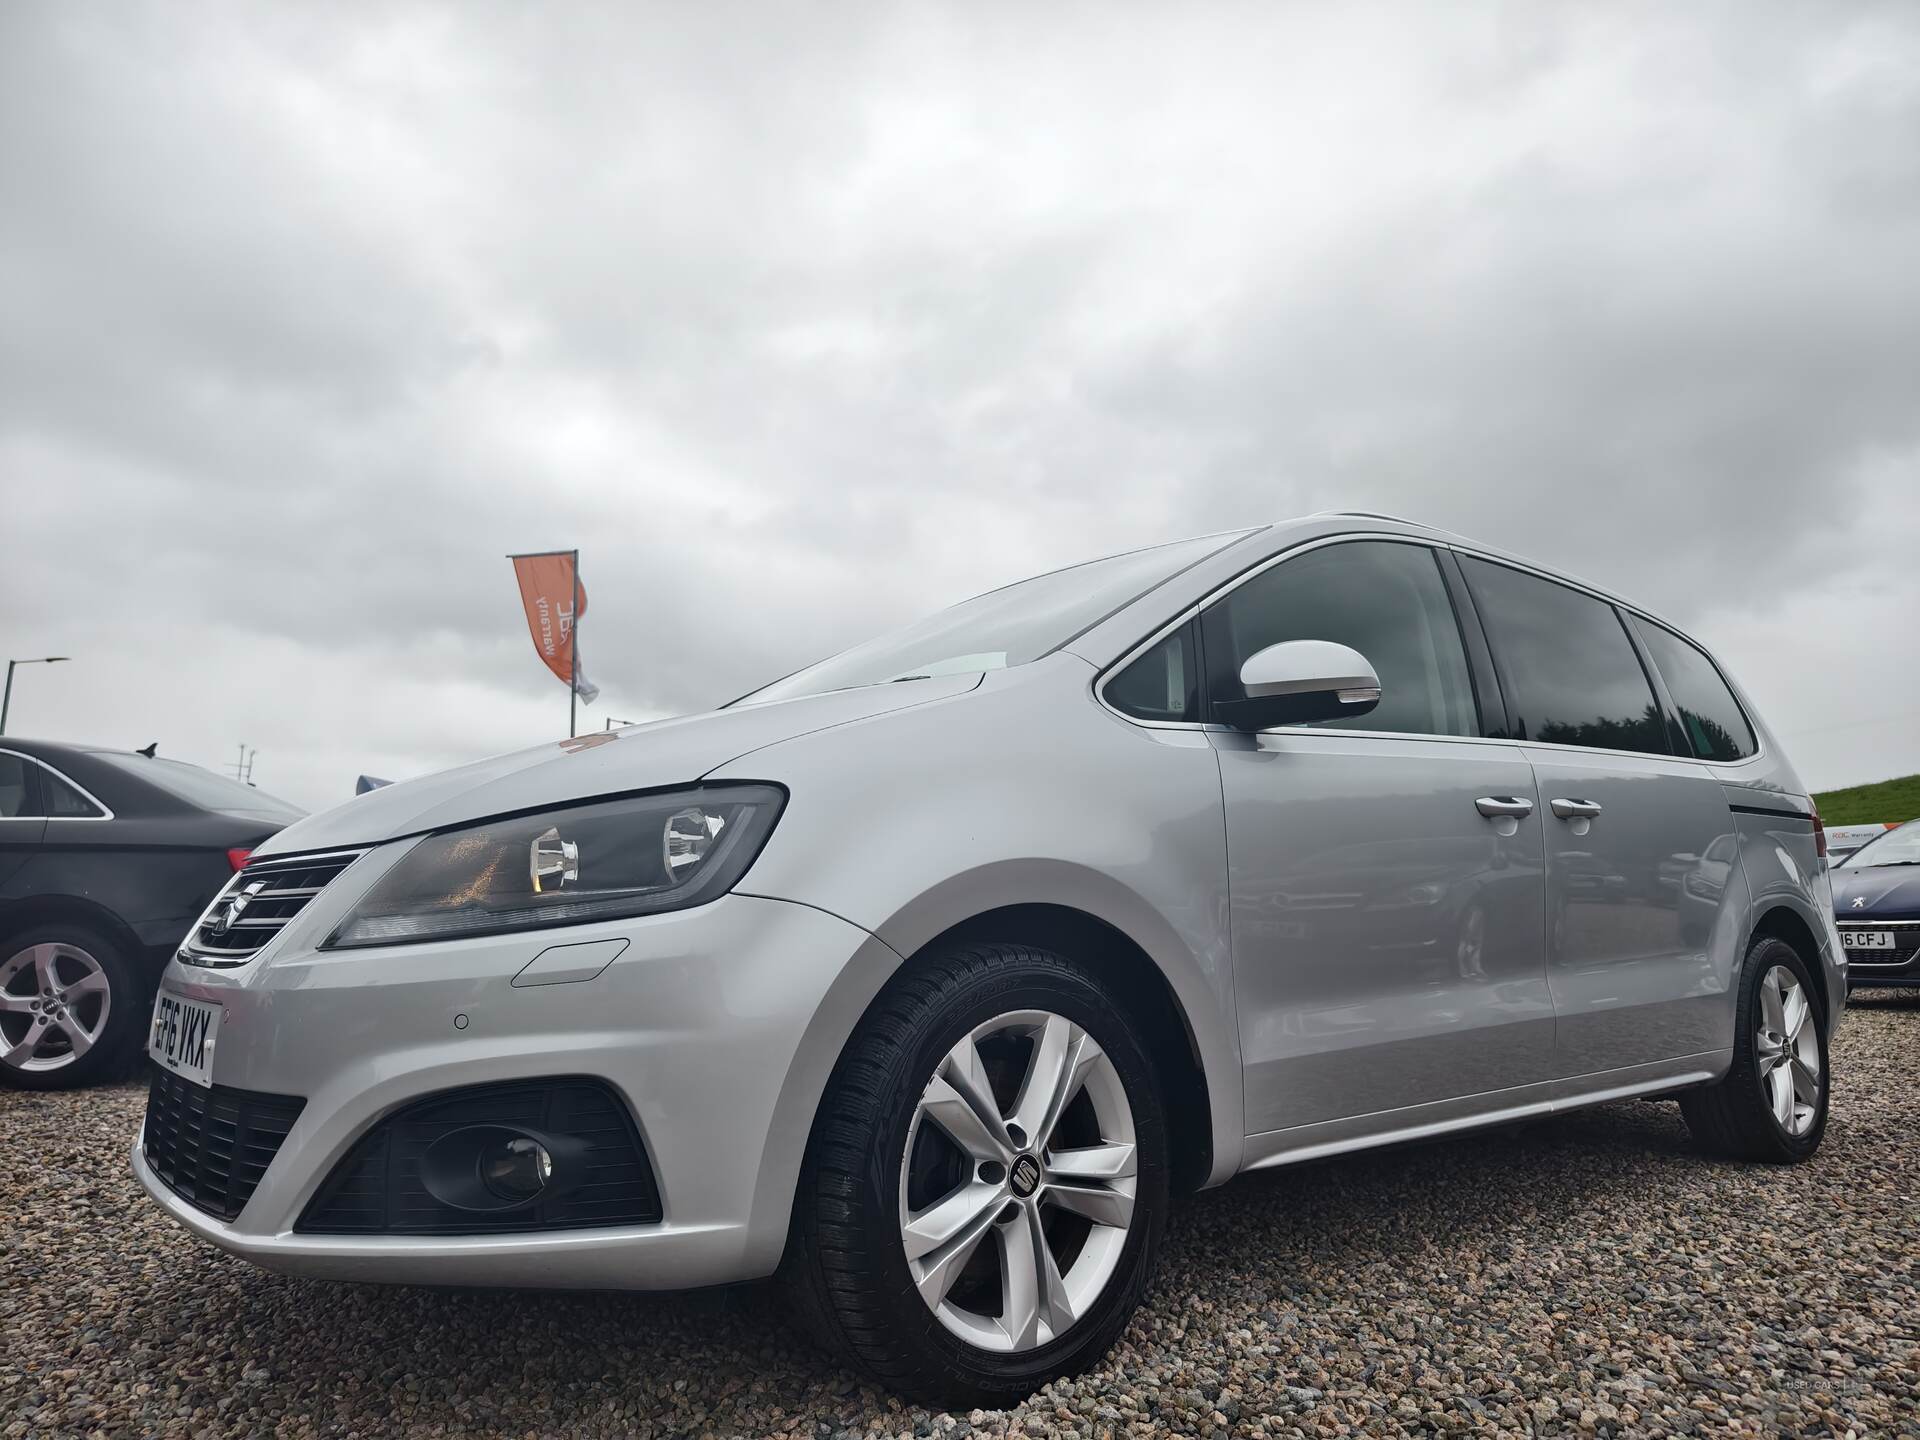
{"x": 641, "y": 757}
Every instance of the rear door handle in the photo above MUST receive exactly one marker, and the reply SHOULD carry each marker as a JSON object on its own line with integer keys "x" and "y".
{"x": 1496, "y": 805}
{"x": 1575, "y": 809}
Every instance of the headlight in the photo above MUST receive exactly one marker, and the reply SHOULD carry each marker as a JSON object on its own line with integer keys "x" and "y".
{"x": 600, "y": 861}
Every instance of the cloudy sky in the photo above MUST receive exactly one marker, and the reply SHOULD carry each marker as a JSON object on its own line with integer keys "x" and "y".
{"x": 803, "y": 320}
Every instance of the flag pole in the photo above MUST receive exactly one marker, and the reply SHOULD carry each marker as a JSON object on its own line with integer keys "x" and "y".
{"x": 573, "y": 650}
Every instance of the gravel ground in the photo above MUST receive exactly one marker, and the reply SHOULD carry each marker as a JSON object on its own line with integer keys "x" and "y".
{"x": 1587, "y": 1274}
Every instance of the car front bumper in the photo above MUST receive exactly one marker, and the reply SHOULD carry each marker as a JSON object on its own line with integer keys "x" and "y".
{"x": 1869, "y": 969}
{"x": 1868, "y": 976}
{"x": 717, "y": 1026}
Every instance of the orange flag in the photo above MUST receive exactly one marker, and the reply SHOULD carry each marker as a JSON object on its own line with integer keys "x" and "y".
{"x": 549, "y": 586}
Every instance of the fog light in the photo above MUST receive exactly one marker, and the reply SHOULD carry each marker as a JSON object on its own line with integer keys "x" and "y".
{"x": 517, "y": 1170}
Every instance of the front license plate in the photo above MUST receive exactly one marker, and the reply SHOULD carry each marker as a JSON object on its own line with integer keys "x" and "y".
{"x": 1867, "y": 939}
{"x": 183, "y": 1034}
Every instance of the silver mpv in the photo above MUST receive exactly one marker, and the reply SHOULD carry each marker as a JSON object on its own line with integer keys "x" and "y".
{"x": 924, "y": 977}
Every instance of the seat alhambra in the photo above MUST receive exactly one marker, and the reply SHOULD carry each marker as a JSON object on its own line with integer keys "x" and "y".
{"x": 925, "y": 977}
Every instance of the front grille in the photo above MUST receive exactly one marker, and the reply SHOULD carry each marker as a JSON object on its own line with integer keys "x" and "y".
{"x": 257, "y": 904}
{"x": 377, "y": 1188}
{"x": 1906, "y": 943}
{"x": 210, "y": 1147}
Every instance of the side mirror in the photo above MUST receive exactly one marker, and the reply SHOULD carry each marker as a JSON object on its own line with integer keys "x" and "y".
{"x": 1301, "y": 680}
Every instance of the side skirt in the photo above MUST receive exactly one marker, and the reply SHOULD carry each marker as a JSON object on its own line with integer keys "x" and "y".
{"x": 1477, "y": 1112}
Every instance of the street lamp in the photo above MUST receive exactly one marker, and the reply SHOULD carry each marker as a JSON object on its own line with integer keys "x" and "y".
{"x": 7, "y": 698}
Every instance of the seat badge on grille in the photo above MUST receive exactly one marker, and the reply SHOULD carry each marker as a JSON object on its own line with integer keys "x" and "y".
{"x": 232, "y": 908}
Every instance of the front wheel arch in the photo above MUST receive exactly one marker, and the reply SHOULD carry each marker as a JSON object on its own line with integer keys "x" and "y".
{"x": 1150, "y": 1003}
{"x": 843, "y": 1273}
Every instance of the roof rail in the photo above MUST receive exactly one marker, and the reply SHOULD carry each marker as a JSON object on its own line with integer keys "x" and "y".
{"x": 1371, "y": 515}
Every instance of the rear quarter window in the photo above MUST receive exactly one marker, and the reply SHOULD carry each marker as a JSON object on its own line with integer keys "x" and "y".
{"x": 64, "y": 802}
{"x": 1716, "y": 727}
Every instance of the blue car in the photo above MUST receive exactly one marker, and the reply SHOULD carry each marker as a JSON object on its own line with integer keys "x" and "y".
{"x": 1876, "y": 905}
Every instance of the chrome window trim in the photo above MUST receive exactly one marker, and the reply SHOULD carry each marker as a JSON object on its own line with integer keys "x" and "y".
{"x": 106, "y": 812}
{"x": 1100, "y": 680}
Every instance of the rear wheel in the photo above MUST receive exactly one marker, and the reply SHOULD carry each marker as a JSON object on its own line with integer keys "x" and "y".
{"x": 986, "y": 1185}
{"x": 70, "y": 1007}
{"x": 1772, "y": 1105}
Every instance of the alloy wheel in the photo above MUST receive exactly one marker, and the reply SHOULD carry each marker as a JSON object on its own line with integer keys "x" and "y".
{"x": 1017, "y": 1183}
{"x": 1787, "y": 1046}
{"x": 54, "y": 1004}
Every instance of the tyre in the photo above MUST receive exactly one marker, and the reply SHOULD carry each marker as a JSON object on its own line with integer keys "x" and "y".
{"x": 986, "y": 1185}
{"x": 1772, "y": 1105}
{"x": 72, "y": 1007}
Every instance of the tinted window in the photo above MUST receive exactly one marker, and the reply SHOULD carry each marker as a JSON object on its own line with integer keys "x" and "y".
{"x": 63, "y": 801}
{"x": 1161, "y": 684}
{"x": 1008, "y": 626}
{"x": 1385, "y": 600}
{"x": 1570, "y": 673}
{"x": 13, "y": 787}
{"x": 1716, "y": 727}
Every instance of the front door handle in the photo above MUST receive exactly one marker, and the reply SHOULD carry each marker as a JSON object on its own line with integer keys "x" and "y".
{"x": 1575, "y": 809}
{"x": 1493, "y": 806}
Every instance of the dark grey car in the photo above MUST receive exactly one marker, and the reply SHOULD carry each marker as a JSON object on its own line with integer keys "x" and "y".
{"x": 106, "y": 856}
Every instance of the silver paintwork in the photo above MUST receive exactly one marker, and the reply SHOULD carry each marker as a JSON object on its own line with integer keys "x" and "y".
{"x": 1357, "y": 866}
{"x": 1636, "y": 975}
{"x": 1014, "y": 1174}
{"x": 1357, "y": 952}
{"x": 56, "y": 1000}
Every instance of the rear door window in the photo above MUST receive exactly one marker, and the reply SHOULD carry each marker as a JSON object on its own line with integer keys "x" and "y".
{"x": 1716, "y": 726}
{"x": 1571, "y": 675}
{"x": 1382, "y": 598}
{"x": 16, "y": 788}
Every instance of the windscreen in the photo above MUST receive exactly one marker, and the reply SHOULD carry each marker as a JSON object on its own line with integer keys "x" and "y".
{"x": 204, "y": 788}
{"x": 1009, "y": 626}
{"x": 1896, "y": 847}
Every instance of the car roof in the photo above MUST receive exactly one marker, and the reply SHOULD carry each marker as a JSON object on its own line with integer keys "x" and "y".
{"x": 1113, "y": 637}
{"x": 47, "y": 749}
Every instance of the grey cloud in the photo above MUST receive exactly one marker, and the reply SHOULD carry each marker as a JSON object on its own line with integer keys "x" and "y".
{"x": 801, "y": 322}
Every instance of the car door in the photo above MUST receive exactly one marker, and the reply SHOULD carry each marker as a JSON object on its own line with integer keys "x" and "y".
{"x": 1385, "y": 872}
{"x": 1632, "y": 828}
